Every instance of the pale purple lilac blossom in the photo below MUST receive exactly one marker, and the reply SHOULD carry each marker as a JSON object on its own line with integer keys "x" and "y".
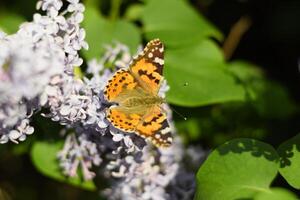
{"x": 147, "y": 176}
{"x": 79, "y": 152}
{"x": 29, "y": 59}
{"x": 79, "y": 104}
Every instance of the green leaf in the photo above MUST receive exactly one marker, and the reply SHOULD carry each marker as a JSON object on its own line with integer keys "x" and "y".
{"x": 44, "y": 157}
{"x": 134, "y": 12}
{"x": 271, "y": 99}
{"x": 274, "y": 101}
{"x": 289, "y": 153}
{"x": 100, "y": 32}
{"x": 248, "y": 74}
{"x": 197, "y": 76}
{"x": 276, "y": 194}
{"x": 246, "y": 71}
{"x": 238, "y": 169}
{"x": 176, "y": 23}
{"x": 10, "y": 22}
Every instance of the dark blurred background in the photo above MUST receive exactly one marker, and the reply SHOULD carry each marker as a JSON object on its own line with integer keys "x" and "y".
{"x": 272, "y": 42}
{"x": 273, "y": 39}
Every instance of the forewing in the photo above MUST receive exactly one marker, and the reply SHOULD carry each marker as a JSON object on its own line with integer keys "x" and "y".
{"x": 120, "y": 82}
{"x": 154, "y": 126}
{"x": 147, "y": 67}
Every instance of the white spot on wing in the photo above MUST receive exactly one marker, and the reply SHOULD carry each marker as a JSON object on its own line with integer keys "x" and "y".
{"x": 159, "y": 60}
{"x": 166, "y": 130}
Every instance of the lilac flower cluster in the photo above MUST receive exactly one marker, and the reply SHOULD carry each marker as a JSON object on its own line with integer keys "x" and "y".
{"x": 49, "y": 46}
{"x": 145, "y": 176}
{"x": 136, "y": 170}
{"x": 30, "y": 59}
{"x": 85, "y": 150}
{"x": 79, "y": 104}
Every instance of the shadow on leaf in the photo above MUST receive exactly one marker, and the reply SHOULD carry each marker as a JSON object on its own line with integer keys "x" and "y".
{"x": 287, "y": 151}
{"x": 256, "y": 148}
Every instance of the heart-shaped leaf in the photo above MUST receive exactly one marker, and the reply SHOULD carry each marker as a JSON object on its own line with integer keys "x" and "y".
{"x": 197, "y": 76}
{"x": 238, "y": 169}
{"x": 176, "y": 23}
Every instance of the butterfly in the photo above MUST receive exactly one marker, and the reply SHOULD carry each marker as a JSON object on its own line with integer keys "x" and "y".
{"x": 134, "y": 92}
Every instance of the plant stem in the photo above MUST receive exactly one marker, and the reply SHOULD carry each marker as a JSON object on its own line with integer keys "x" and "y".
{"x": 235, "y": 35}
{"x": 115, "y": 9}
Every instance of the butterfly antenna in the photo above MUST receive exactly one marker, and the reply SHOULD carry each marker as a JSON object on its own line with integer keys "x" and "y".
{"x": 175, "y": 111}
{"x": 179, "y": 114}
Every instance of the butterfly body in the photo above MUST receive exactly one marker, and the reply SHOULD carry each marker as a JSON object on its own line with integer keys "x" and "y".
{"x": 135, "y": 94}
{"x": 136, "y": 102}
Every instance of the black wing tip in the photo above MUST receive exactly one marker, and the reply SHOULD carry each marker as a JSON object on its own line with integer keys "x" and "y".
{"x": 163, "y": 137}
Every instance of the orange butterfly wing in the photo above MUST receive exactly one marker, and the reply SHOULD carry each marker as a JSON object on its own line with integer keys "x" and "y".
{"x": 147, "y": 68}
{"x": 122, "y": 80}
{"x": 122, "y": 120}
{"x": 155, "y": 127}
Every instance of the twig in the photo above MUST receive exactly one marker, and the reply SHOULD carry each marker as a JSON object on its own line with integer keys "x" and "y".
{"x": 235, "y": 35}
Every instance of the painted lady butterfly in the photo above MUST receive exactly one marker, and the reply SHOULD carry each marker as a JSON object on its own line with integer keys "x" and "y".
{"x": 135, "y": 94}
